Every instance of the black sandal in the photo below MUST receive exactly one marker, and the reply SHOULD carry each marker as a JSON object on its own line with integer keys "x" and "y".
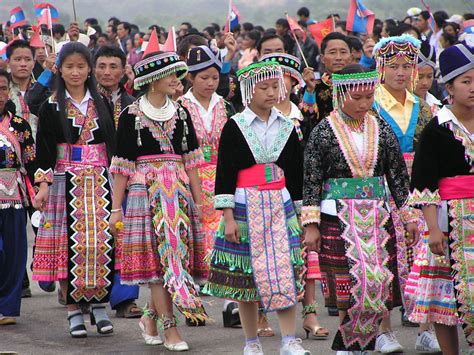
{"x": 231, "y": 318}
{"x": 79, "y": 331}
{"x": 104, "y": 326}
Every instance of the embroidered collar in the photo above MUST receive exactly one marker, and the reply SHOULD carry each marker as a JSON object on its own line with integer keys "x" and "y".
{"x": 214, "y": 100}
{"x": 250, "y": 116}
{"x": 387, "y": 101}
{"x": 446, "y": 115}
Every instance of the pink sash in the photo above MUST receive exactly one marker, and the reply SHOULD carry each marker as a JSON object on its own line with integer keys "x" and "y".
{"x": 457, "y": 188}
{"x": 262, "y": 176}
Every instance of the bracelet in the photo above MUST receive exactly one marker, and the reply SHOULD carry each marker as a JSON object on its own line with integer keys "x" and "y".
{"x": 116, "y": 210}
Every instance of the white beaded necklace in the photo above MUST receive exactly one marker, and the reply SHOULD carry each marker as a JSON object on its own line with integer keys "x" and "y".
{"x": 161, "y": 114}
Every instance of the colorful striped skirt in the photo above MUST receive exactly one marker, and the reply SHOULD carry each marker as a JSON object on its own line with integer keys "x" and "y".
{"x": 159, "y": 228}
{"x": 232, "y": 269}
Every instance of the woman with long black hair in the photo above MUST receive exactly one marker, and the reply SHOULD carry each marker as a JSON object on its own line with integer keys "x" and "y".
{"x": 75, "y": 142}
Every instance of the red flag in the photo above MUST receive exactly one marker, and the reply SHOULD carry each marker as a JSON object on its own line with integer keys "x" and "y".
{"x": 45, "y": 19}
{"x": 36, "y": 40}
{"x": 153, "y": 44}
{"x": 4, "y": 49}
{"x": 321, "y": 30}
{"x": 294, "y": 26}
{"x": 170, "y": 43}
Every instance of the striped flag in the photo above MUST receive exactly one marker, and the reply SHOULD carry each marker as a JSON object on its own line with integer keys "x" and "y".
{"x": 360, "y": 19}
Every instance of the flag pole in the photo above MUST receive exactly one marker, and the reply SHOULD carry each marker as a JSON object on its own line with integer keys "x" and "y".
{"x": 74, "y": 10}
{"x": 50, "y": 23}
{"x": 174, "y": 38}
{"x": 298, "y": 44}
{"x": 333, "y": 23}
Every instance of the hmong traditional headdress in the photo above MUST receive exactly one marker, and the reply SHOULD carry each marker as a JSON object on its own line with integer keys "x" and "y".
{"x": 427, "y": 56}
{"x": 343, "y": 83}
{"x": 256, "y": 73}
{"x": 457, "y": 60}
{"x": 157, "y": 67}
{"x": 201, "y": 58}
{"x": 290, "y": 65}
{"x": 389, "y": 49}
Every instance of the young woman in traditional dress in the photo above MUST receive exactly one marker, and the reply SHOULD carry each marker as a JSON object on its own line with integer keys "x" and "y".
{"x": 304, "y": 123}
{"x": 17, "y": 153}
{"x": 443, "y": 186}
{"x": 209, "y": 113}
{"x": 257, "y": 256}
{"x": 347, "y": 221}
{"x": 158, "y": 156}
{"x": 75, "y": 142}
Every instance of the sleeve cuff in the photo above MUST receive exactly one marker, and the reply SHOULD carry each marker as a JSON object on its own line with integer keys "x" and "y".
{"x": 193, "y": 159}
{"x": 423, "y": 198}
{"x": 44, "y": 176}
{"x": 308, "y": 98}
{"x": 45, "y": 78}
{"x": 409, "y": 214}
{"x": 224, "y": 201}
{"x": 122, "y": 166}
{"x": 298, "y": 205}
{"x": 366, "y": 61}
{"x": 310, "y": 214}
{"x": 226, "y": 67}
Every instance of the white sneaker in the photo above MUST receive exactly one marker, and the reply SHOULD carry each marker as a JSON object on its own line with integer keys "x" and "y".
{"x": 426, "y": 342}
{"x": 253, "y": 349}
{"x": 293, "y": 347}
{"x": 387, "y": 343}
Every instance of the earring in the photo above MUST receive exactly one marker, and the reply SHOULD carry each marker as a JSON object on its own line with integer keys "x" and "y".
{"x": 152, "y": 88}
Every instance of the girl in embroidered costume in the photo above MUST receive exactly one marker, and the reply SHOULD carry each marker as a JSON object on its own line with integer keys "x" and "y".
{"x": 259, "y": 175}
{"x": 157, "y": 156}
{"x": 397, "y": 59}
{"x": 17, "y": 153}
{"x": 426, "y": 340}
{"x": 443, "y": 186}
{"x": 347, "y": 158}
{"x": 304, "y": 123}
{"x": 209, "y": 113}
{"x": 74, "y": 142}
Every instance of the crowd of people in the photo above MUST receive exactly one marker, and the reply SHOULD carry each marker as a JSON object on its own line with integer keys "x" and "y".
{"x": 252, "y": 165}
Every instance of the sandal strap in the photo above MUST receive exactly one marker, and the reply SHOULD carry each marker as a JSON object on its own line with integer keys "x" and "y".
{"x": 75, "y": 315}
{"x": 167, "y": 322}
{"x": 309, "y": 309}
{"x": 150, "y": 313}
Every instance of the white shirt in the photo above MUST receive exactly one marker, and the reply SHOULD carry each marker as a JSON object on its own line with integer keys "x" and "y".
{"x": 81, "y": 106}
{"x": 115, "y": 95}
{"x": 432, "y": 100}
{"x": 266, "y": 131}
{"x": 206, "y": 115}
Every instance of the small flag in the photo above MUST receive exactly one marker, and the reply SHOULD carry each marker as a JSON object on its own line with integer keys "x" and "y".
{"x": 45, "y": 19}
{"x": 294, "y": 26}
{"x": 3, "y": 49}
{"x": 170, "y": 43}
{"x": 39, "y": 9}
{"x": 468, "y": 26}
{"x": 233, "y": 18}
{"x": 321, "y": 30}
{"x": 17, "y": 17}
{"x": 36, "y": 40}
{"x": 360, "y": 19}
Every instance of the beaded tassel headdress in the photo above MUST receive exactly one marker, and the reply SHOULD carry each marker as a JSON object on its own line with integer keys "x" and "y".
{"x": 255, "y": 73}
{"x": 388, "y": 50}
{"x": 343, "y": 83}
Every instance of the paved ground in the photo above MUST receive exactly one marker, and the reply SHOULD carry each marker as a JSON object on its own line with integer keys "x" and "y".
{"x": 42, "y": 329}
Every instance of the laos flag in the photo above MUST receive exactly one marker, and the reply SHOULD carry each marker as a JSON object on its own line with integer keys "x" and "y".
{"x": 360, "y": 19}
{"x": 39, "y": 8}
{"x": 17, "y": 17}
{"x": 233, "y": 18}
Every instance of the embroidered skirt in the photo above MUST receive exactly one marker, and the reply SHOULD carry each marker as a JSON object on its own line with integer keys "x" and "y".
{"x": 210, "y": 223}
{"x": 233, "y": 266}
{"x": 78, "y": 246}
{"x": 159, "y": 228}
